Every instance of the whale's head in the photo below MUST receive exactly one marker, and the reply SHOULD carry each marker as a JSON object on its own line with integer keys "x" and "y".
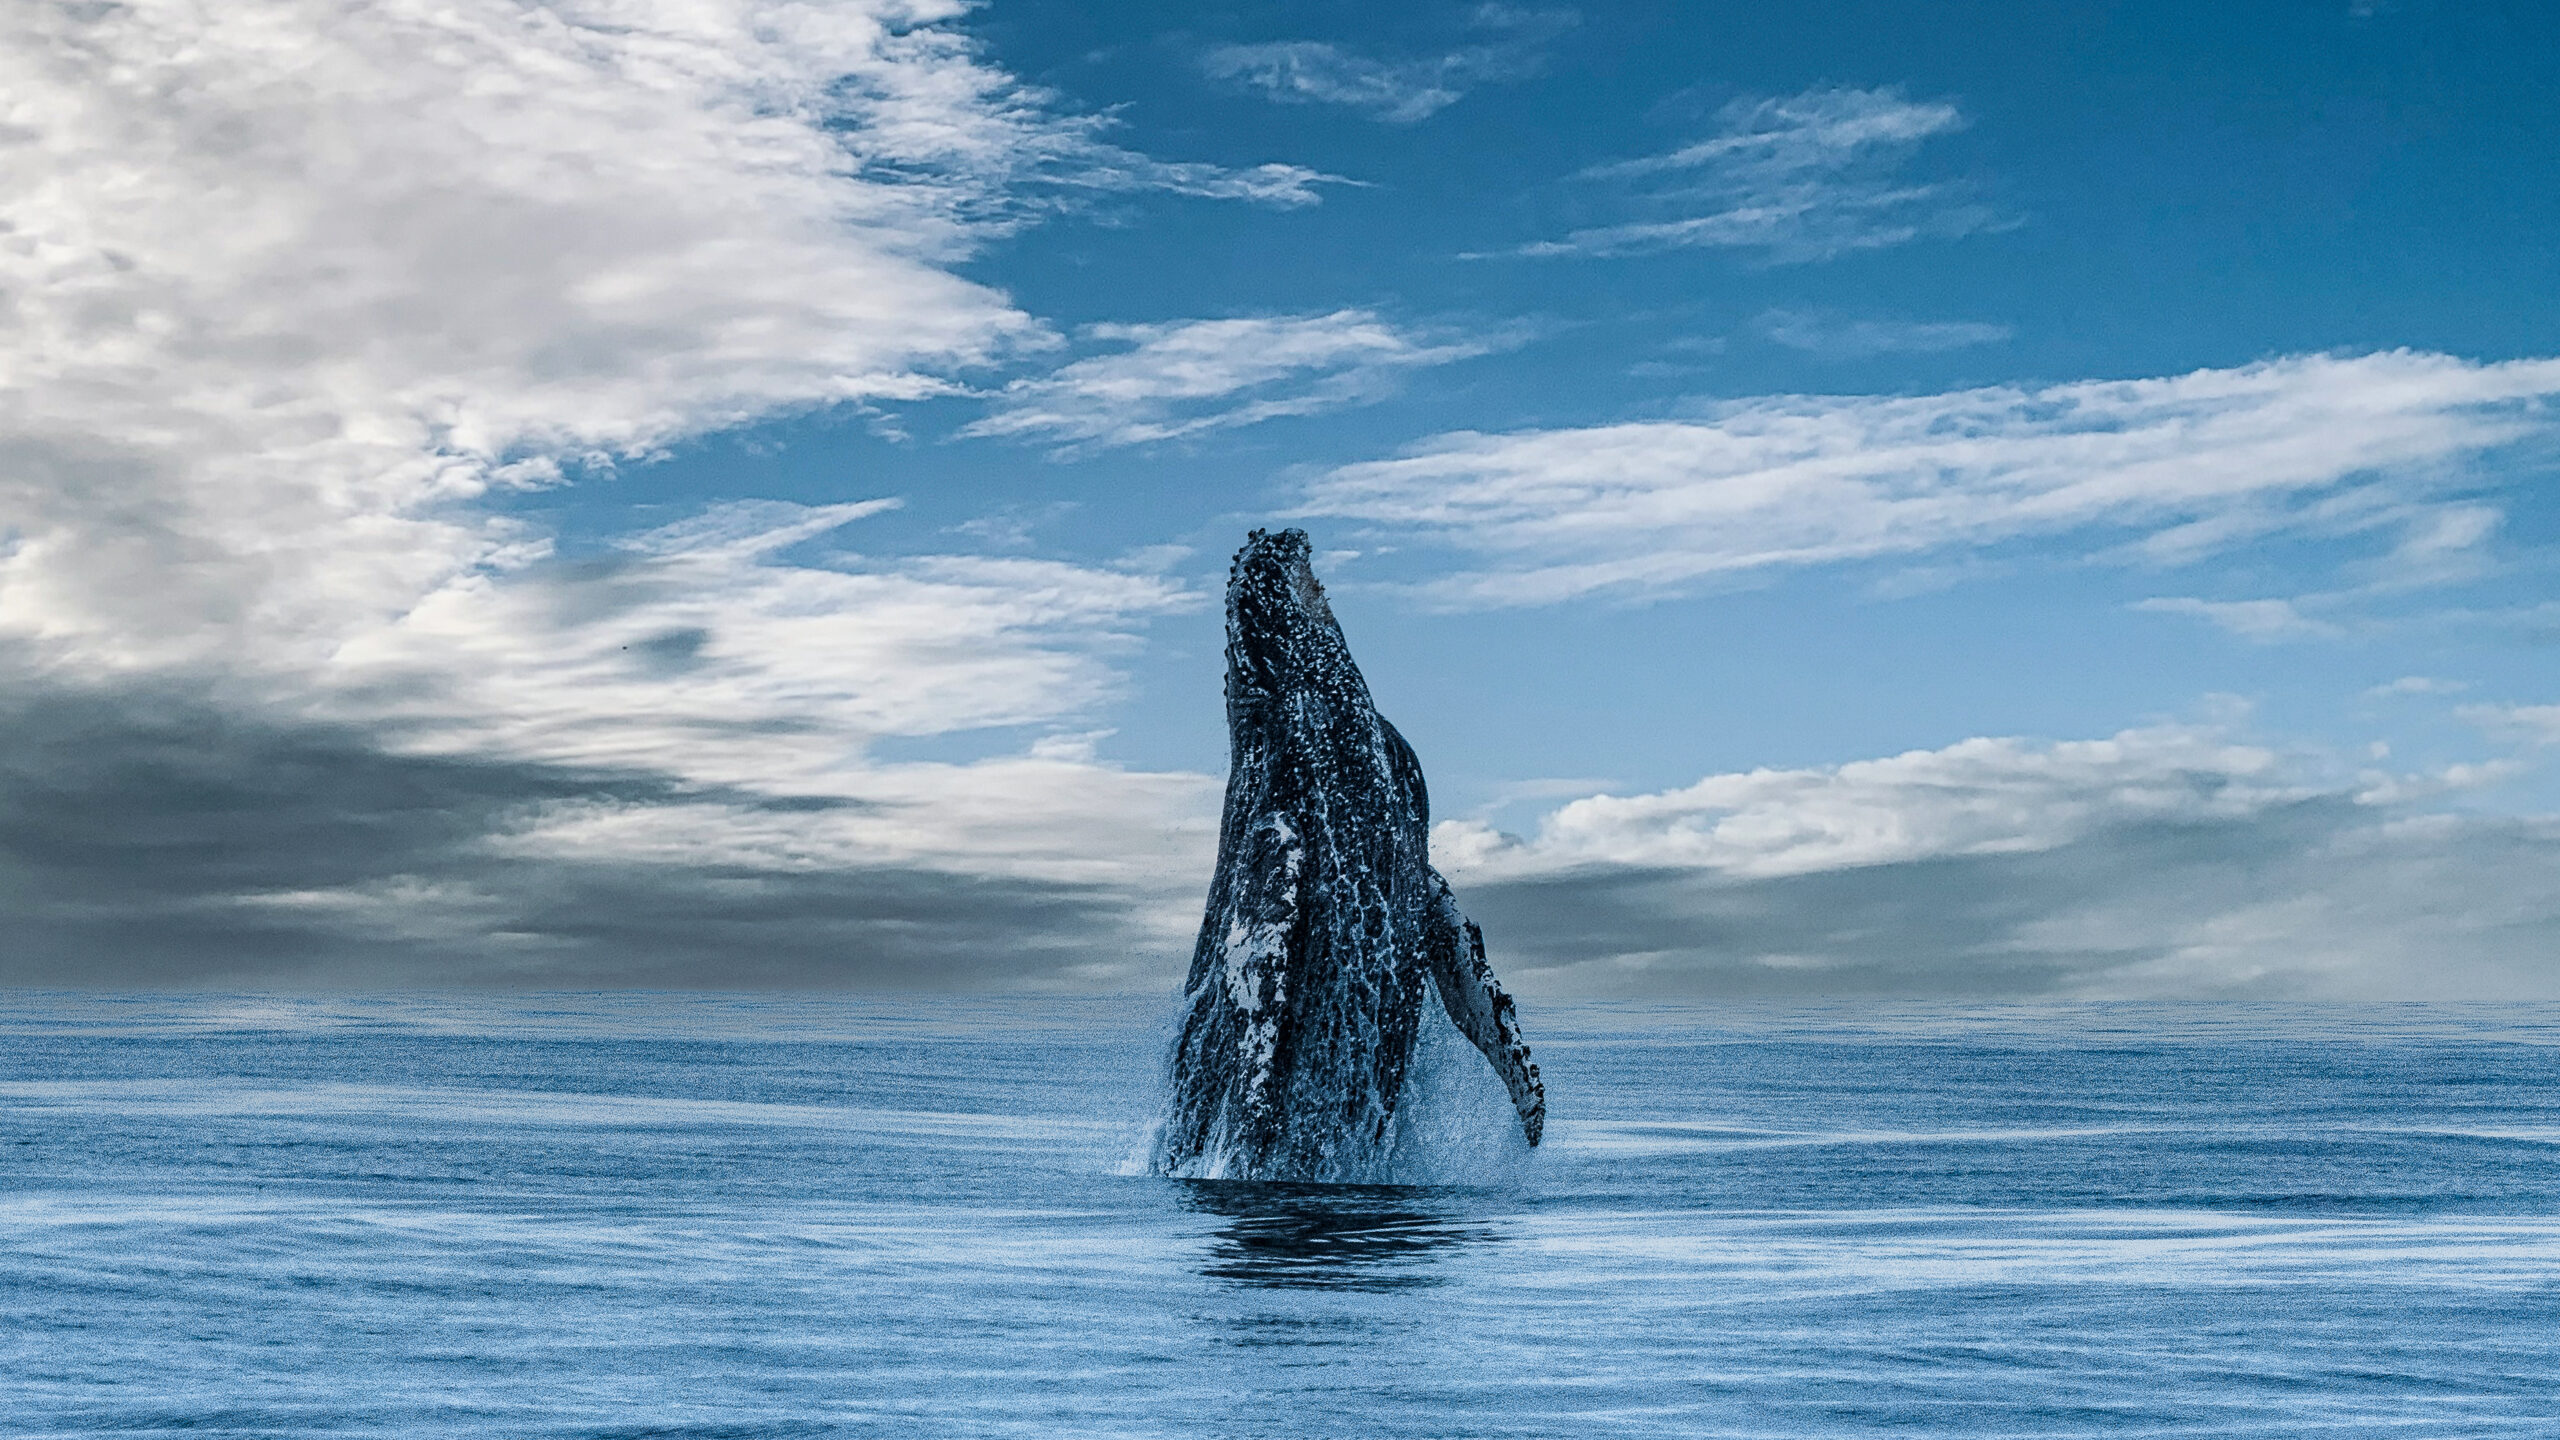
{"x": 1282, "y": 638}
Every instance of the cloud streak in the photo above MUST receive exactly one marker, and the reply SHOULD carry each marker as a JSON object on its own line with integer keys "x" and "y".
{"x": 1846, "y": 339}
{"x": 2262, "y": 620}
{"x": 1188, "y": 377}
{"x": 2165, "y": 470}
{"x": 1798, "y": 178}
{"x": 1400, "y": 92}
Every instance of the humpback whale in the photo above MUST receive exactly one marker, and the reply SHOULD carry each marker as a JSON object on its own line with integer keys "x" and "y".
{"x": 1325, "y": 923}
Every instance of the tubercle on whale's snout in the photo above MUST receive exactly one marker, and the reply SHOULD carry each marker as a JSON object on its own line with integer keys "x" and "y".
{"x": 1278, "y": 566}
{"x": 1281, "y": 631}
{"x": 1277, "y": 545}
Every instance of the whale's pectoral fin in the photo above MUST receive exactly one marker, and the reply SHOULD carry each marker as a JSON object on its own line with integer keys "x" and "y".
{"x": 1453, "y": 948}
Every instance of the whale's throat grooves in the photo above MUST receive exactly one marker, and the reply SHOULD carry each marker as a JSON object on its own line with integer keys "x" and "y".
{"x": 1326, "y": 923}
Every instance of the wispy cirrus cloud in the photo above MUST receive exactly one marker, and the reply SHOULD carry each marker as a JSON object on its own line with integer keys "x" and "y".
{"x": 2440, "y": 543}
{"x": 1845, "y": 338}
{"x": 2164, "y": 470}
{"x": 2418, "y": 685}
{"x": 2174, "y": 860}
{"x": 1797, "y": 178}
{"x": 1186, "y": 377}
{"x": 1400, "y": 92}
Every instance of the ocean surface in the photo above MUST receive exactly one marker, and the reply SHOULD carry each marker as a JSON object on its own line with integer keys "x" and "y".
{"x": 723, "y": 1215}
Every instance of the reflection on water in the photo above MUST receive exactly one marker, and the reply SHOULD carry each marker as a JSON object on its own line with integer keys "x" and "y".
{"x": 1334, "y": 1237}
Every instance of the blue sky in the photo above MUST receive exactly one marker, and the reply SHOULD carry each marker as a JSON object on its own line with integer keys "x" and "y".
{"x": 1991, "y": 499}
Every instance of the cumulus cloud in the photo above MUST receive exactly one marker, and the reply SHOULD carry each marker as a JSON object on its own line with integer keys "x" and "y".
{"x": 1985, "y": 796}
{"x": 2167, "y": 861}
{"x": 1189, "y": 376}
{"x": 1798, "y": 178}
{"x": 1399, "y": 92}
{"x": 294, "y": 288}
{"x": 654, "y": 766}
{"x": 2165, "y": 470}
{"x": 290, "y": 282}
{"x": 2529, "y": 724}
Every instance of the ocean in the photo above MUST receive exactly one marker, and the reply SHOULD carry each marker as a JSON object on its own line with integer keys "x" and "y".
{"x": 762, "y": 1216}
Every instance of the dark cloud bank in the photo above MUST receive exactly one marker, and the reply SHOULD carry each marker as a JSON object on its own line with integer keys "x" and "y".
{"x": 2321, "y": 897}
{"x": 148, "y": 837}
{"x": 151, "y": 837}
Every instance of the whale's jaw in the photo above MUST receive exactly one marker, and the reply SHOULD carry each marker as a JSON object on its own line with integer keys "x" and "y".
{"x": 1325, "y": 922}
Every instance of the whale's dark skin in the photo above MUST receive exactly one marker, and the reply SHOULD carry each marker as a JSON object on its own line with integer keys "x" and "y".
{"x": 1326, "y": 924}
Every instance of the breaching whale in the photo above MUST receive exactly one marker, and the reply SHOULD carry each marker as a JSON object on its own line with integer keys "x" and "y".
{"x": 1326, "y": 923}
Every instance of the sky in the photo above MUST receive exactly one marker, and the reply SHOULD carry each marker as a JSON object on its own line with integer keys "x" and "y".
{"x": 1978, "y": 501}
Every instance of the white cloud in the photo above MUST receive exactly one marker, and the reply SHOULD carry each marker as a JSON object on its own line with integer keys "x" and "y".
{"x": 1799, "y": 177}
{"x": 1026, "y": 816}
{"x": 1978, "y": 797}
{"x": 1821, "y": 129}
{"x": 1310, "y": 71}
{"x": 1401, "y": 91}
{"x": 2447, "y": 545}
{"x": 2180, "y": 466}
{"x": 1185, "y": 377}
{"x": 2419, "y": 685}
{"x": 700, "y": 651}
{"x": 2381, "y": 787}
{"x": 293, "y": 287}
{"x": 1108, "y": 168}
{"x": 1847, "y": 339}
{"x": 2250, "y": 619}
{"x": 2528, "y": 724}
{"x": 758, "y": 679}
{"x": 2162, "y": 862}
{"x": 290, "y": 282}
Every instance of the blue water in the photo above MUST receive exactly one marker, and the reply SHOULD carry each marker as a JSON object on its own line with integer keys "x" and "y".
{"x": 685, "y": 1215}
